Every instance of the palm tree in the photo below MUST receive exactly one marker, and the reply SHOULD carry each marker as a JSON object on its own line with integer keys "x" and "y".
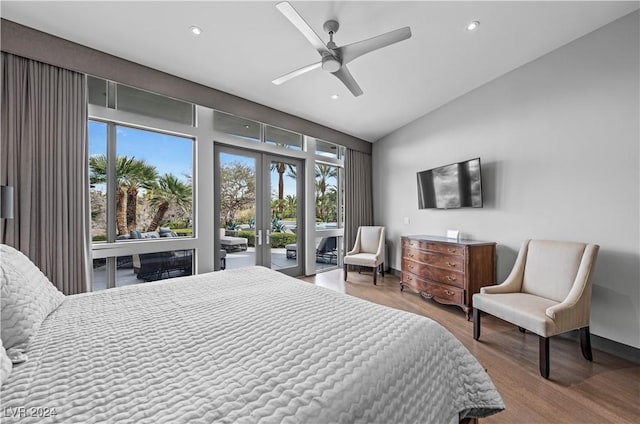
{"x": 323, "y": 174}
{"x": 291, "y": 205}
{"x": 281, "y": 168}
{"x": 140, "y": 175}
{"x": 131, "y": 174}
{"x": 167, "y": 191}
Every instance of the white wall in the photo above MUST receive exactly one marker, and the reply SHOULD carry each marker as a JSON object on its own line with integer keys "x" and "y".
{"x": 558, "y": 139}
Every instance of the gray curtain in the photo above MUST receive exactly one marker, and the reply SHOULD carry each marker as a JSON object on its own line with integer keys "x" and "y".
{"x": 358, "y": 203}
{"x": 45, "y": 158}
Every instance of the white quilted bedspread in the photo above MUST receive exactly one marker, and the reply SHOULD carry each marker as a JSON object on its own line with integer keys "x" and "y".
{"x": 242, "y": 346}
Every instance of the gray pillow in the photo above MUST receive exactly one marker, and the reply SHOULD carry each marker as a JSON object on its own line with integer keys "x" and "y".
{"x": 27, "y": 297}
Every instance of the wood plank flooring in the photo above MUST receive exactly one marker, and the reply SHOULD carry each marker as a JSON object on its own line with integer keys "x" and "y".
{"x": 606, "y": 390}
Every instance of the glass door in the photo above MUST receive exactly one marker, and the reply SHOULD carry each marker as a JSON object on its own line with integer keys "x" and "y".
{"x": 259, "y": 210}
{"x": 283, "y": 214}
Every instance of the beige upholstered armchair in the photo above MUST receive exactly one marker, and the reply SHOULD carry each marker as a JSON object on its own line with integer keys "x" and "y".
{"x": 368, "y": 251}
{"x": 548, "y": 292}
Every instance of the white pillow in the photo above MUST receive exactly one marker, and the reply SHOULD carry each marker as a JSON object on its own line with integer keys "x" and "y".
{"x": 27, "y": 298}
{"x": 5, "y": 365}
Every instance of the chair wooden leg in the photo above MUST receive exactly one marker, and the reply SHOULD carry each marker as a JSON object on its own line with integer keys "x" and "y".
{"x": 375, "y": 274}
{"x": 382, "y": 269}
{"x": 585, "y": 343}
{"x": 476, "y": 324}
{"x": 544, "y": 356}
{"x": 345, "y": 271}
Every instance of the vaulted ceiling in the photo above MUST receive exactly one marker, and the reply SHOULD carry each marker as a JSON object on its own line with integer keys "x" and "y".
{"x": 245, "y": 45}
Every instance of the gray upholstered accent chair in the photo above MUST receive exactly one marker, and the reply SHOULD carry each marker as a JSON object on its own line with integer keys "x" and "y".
{"x": 368, "y": 251}
{"x": 548, "y": 292}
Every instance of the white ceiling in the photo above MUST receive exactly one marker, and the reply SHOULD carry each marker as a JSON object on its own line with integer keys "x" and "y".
{"x": 245, "y": 45}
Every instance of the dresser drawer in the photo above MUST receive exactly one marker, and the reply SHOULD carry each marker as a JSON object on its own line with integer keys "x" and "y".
{"x": 414, "y": 267}
{"x": 413, "y": 244}
{"x": 444, "y": 276}
{"x": 414, "y": 282}
{"x": 443, "y": 293}
{"x": 437, "y": 275}
{"x": 431, "y": 290}
{"x": 446, "y": 248}
{"x": 452, "y": 262}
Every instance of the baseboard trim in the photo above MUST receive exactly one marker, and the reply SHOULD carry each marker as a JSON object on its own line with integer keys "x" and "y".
{"x": 612, "y": 347}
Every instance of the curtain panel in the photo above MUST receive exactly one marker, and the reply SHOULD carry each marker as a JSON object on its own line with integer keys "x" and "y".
{"x": 358, "y": 202}
{"x": 45, "y": 158}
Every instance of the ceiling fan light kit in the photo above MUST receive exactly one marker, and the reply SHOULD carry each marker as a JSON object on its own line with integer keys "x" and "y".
{"x": 333, "y": 58}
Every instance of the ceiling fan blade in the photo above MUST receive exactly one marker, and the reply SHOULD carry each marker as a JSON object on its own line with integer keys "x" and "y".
{"x": 347, "y": 79}
{"x": 297, "y": 72}
{"x": 355, "y": 50}
{"x": 290, "y": 13}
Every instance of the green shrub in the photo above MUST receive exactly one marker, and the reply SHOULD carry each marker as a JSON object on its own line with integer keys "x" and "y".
{"x": 277, "y": 239}
{"x": 99, "y": 238}
{"x": 176, "y": 225}
{"x": 282, "y": 239}
{"x": 249, "y": 235}
{"x": 183, "y": 232}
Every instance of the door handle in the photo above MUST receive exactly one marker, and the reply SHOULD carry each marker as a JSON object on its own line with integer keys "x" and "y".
{"x": 259, "y": 238}
{"x": 268, "y": 237}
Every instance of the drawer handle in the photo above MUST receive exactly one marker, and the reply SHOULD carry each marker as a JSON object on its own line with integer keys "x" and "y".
{"x": 408, "y": 278}
{"x": 449, "y": 293}
{"x": 412, "y": 244}
{"x": 427, "y": 295}
{"x": 411, "y": 255}
{"x": 451, "y": 250}
{"x": 410, "y": 266}
{"x": 450, "y": 278}
{"x": 451, "y": 264}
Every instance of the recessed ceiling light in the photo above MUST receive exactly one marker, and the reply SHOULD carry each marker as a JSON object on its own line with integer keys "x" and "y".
{"x": 473, "y": 25}
{"x": 334, "y": 96}
{"x": 246, "y": 126}
{"x": 196, "y": 30}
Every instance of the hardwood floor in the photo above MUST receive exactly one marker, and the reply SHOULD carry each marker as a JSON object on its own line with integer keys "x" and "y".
{"x": 606, "y": 390}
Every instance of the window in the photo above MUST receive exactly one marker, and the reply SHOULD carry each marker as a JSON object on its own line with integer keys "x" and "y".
{"x": 152, "y": 182}
{"x": 235, "y": 126}
{"x": 98, "y": 184}
{"x": 143, "y": 267}
{"x": 329, "y": 150}
{"x": 141, "y": 190}
{"x": 142, "y": 158}
{"x": 122, "y": 97}
{"x": 326, "y": 196}
{"x": 142, "y": 102}
{"x": 283, "y": 138}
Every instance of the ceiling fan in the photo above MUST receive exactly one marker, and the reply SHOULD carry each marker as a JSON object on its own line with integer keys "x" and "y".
{"x": 334, "y": 58}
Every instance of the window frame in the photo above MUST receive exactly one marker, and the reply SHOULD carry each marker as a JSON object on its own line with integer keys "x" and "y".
{"x": 111, "y": 248}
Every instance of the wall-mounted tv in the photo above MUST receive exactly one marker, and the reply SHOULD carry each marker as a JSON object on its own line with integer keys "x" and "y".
{"x": 458, "y": 185}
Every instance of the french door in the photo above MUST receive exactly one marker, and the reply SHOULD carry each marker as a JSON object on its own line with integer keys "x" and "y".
{"x": 258, "y": 210}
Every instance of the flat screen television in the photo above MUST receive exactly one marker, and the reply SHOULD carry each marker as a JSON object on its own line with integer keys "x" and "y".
{"x": 458, "y": 185}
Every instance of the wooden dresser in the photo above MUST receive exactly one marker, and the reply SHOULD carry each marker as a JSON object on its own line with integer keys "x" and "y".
{"x": 446, "y": 270}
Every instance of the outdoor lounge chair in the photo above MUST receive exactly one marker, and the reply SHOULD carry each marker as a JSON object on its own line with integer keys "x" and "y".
{"x": 327, "y": 250}
{"x": 232, "y": 244}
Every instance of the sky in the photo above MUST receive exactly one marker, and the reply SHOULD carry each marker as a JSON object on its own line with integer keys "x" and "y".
{"x": 169, "y": 154}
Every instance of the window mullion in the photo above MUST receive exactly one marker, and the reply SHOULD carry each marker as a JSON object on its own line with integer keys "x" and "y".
{"x": 112, "y": 182}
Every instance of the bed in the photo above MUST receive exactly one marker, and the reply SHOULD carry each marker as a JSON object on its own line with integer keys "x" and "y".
{"x": 237, "y": 346}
